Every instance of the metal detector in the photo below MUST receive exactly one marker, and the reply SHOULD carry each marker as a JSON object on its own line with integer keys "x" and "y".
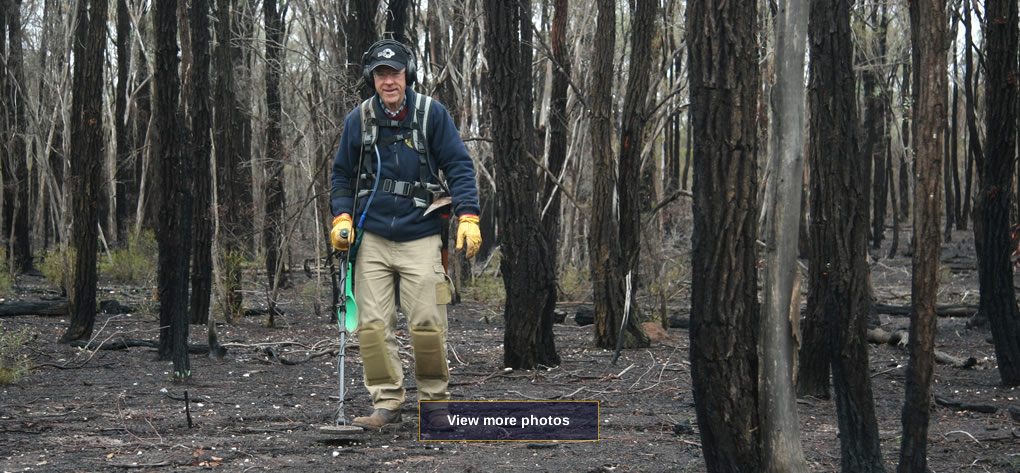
{"x": 346, "y": 320}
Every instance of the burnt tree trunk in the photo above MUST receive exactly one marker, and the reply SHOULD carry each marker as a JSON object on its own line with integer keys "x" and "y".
{"x": 358, "y": 24}
{"x": 140, "y": 118}
{"x": 875, "y": 107}
{"x": 610, "y": 244}
{"x": 275, "y": 201}
{"x": 173, "y": 235}
{"x": 396, "y": 20}
{"x": 928, "y": 37}
{"x": 971, "y": 208}
{"x": 724, "y": 302}
{"x": 527, "y": 273}
{"x": 125, "y": 188}
{"x": 998, "y": 298}
{"x": 86, "y": 162}
{"x": 558, "y": 128}
{"x": 15, "y": 166}
{"x": 233, "y": 175}
{"x": 838, "y": 302}
{"x": 201, "y": 148}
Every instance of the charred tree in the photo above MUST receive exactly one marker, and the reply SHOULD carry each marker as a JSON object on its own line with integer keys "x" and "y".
{"x": 838, "y": 301}
{"x": 201, "y": 149}
{"x": 396, "y": 20}
{"x": 998, "y": 298}
{"x": 126, "y": 188}
{"x": 174, "y": 222}
{"x": 275, "y": 199}
{"x": 611, "y": 242}
{"x": 15, "y": 165}
{"x": 527, "y": 274}
{"x": 86, "y": 162}
{"x": 358, "y": 23}
{"x": 875, "y": 107}
{"x": 725, "y": 321}
{"x": 558, "y": 128}
{"x": 141, "y": 114}
{"x": 929, "y": 40}
{"x": 233, "y": 175}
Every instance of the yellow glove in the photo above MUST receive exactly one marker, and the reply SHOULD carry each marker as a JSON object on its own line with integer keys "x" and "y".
{"x": 342, "y": 233}
{"x": 467, "y": 230}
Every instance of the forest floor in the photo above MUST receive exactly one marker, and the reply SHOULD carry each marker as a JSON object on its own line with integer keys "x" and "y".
{"x": 118, "y": 410}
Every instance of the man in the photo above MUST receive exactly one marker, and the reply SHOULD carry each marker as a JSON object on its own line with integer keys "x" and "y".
{"x": 390, "y": 233}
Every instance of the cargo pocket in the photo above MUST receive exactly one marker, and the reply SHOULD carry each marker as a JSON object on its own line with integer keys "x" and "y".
{"x": 444, "y": 289}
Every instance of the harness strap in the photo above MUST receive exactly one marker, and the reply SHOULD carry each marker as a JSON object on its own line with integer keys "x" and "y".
{"x": 422, "y": 192}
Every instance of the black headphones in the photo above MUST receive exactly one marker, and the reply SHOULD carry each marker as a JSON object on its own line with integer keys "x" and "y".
{"x": 410, "y": 72}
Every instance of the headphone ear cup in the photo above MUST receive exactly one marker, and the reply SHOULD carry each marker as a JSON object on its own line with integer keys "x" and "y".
{"x": 411, "y": 72}
{"x": 365, "y": 72}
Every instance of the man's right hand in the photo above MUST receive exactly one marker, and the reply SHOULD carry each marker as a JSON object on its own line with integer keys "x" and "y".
{"x": 342, "y": 234}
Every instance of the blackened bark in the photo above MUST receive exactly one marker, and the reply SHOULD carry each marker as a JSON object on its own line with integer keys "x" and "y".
{"x": 358, "y": 23}
{"x": 527, "y": 275}
{"x": 141, "y": 116}
{"x": 875, "y": 107}
{"x": 233, "y": 176}
{"x": 839, "y": 217}
{"x": 397, "y": 12}
{"x": 624, "y": 256}
{"x": 558, "y": 125}
{"x": 954, "y": 143}
{"x": 275, "y": 154}
{"x": 174, "y": 222}
{"x": 201, "y": 148}
{"x": 125, "y": 173}
{"x": 929, "y": 39}
{"x": 906, "y": 159}
{"x": 86, "y": 162}
{"x": 16, "y": 181}
{"x": 724, "y": 301}
{"x": 971, "y": 208}
{"x": 998, "y": 299}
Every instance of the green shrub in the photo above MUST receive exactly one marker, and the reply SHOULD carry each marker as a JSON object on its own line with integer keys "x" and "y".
{"x": 13, "y": 364}
{"x": 228, "y": 298}
{"x": 486, "y": 288}
{"x": 574, "y": 283}
{"x": 57, "y": 266}
{"x": 135, "y": 264}
{"x": 6, "y": 282}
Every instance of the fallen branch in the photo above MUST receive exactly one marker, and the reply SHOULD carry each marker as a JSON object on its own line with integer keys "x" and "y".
{"x": 124, "y": 344}
{"x": 900, "y": 339}
{"x": 964, "y": 406}
{"x": 271, "y": 352}
{"x": 54, "y": 308}
{"x": 950, "y": 310}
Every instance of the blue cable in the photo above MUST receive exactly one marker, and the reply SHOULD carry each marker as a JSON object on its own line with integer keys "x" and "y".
{"x": 375, "y": 186}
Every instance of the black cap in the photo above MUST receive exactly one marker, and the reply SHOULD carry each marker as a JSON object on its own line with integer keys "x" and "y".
{"x": 387, "y": 54}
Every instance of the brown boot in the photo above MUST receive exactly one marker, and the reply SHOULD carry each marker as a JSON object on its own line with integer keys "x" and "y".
{"x": 379, "y": 419}
{"x": 437, "y": 419}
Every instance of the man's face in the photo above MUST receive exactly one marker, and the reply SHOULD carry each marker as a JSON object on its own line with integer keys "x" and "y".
{"x": 390, "y": 84}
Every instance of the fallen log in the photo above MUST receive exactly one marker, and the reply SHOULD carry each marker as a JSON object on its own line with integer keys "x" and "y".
{"x": 56, "y": 307}
{"x": 964, "y": 406}
{"x": 124, "y": 344}
{"x": 900, "y": 339}
{"x": 948, "y": 310}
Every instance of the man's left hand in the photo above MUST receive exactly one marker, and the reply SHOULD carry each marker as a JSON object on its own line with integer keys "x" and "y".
{"x": 467, "y": 231}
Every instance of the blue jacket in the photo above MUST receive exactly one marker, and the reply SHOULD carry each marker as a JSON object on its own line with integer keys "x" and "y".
{"x": 391, "y": 216}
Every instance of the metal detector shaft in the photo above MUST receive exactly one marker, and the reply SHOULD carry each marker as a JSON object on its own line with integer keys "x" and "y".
{"x": 340, "y": 310}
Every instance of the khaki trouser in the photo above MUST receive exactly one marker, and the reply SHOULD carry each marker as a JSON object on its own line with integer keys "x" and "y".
{"x": 424, "y": 293}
